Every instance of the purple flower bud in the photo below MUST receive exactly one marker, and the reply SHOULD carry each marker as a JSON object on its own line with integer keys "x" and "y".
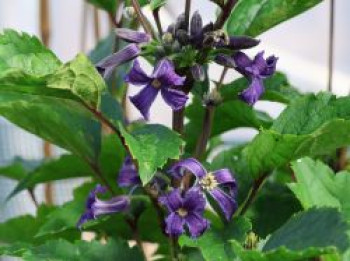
{"x": 128, "y": 174}
{"x": 225, "y": 60}
{"x": 198, "y": 72}
{"x": 211, "y": 182}
{"x": 132, "y": 36}
{"x": 106, "y": 66}
{"x": 181, "y": 23}
{"x": 96, "y": 207}
{"x": 163, "y": 79}
{"x": 196, "y": 24}
{"x": 238, "y": 43}
{"x": 185, "y": 210}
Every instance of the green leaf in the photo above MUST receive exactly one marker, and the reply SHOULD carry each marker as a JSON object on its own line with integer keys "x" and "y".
{"x": 228, "y": 116}
{"x": 152, "y": 146}
{"x": 108, "y": 5}
{"x": 61, "y": 250}
{"x": 155, "y": 4}
{"x": 277, "y": 88}
{"x": 314, "y": 228}
{"x": 81, "y": 77}
{"x": 214, "y": 243}
{"x": 318, "y": 186}
{"x": 312, "y": 125}
{"x": 60, "y": 121}
{"x": 15, "y": 171}
{"x": 25, "y": 53}
{"x": 253, "y": 17}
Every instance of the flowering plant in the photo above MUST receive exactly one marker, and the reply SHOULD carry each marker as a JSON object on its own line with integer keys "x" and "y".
{"x": 181, "y": 189}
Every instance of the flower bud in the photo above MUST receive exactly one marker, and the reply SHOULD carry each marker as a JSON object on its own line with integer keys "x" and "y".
{"x": 241, "y": 42}
{"x": 251, "y": 241}
{"x": 132, "y": 36}
{"x": 176, "y": 47}
{"x": 196, "y": 24}
{"x": 160, "y": 52}
{"x": 129, "y": 13}
{"x": 167, "y": 38}
{"x": 213, "y": 98}
{"x": 198, "y": 72}
{"x": 181, "y": 23}
{"x": 225, "y": 60}
{"x": 182, "y": 37}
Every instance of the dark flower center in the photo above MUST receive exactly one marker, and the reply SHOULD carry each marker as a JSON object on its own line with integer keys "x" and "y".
{"x": 208, "y": 182}
{"x": 156, "y": 83}
{"x": 182, "y": 212}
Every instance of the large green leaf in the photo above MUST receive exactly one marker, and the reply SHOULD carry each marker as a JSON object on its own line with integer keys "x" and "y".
{"x": 312, "y": 125}
{"x": 108, "y": 5}
{"x": 314, "y": 228}
{"x": 317, "y": 186}
{"x": 214, "y": 243}
{"x": 81, "y": 77}
{"x": 61, "y": 250}
{"x": 26, "y": 53}
{"x": 253, "y": 17}
{"x": 152, "y": 146}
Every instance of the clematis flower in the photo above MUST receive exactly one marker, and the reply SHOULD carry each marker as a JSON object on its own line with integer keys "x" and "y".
{"x": 132, "y": 36}
{"x": 128, "y": 174}
{"x": 163, "y": 79}
{"x": 106, "y": 66}
{"x": 219, "y": 184}
{"x": 185, "y": 210}
{"x": 96, "y": 207}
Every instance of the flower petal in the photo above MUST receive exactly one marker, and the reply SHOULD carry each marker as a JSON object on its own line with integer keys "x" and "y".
{"x": 173, "y": 200}
{"x": 259, "y": 62}
{"x": 85, "y": 218}
{"x": 252, "y": 94}
{"x": 114, "y": 205}
{"x": 107, "y": 65}
{"x": 162, "y": 68}
{"x": 191, "y": 165}
{"x": 99, "y": 189}
{"x": 165, "y": 73}
{"x": 194, "y": 200}
{"x": 137, "y": 76}
{"x": 128, "y": 174}
{"x": 174, "y": 98}
{"x": 227, "y": 203}
{"x": 132, "y": 36}
{"x": 174, "y": 225}
{"x": 271, "y": 66}
{"x": 144, "y": 99}
{"x": 225, "y": 177}
{"x": 196, "y": 224}
{"x": 242, "y": 61}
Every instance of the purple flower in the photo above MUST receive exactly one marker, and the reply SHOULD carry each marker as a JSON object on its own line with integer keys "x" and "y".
{"x": 184, "y": 210}
{"x": 132, "y": 36}
{"x": 255, "y": 71}
{"x": 128, "y": 174}
{"x": 219, "y": 184}
{"x": 106, "y": 66}
{"x": 96, "y": 207}
{"x": 162, "y": 79}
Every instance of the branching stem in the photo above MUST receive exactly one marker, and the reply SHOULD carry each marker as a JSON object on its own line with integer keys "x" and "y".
{"x": 142, "y": 19}
{"x": 225, "y": 13}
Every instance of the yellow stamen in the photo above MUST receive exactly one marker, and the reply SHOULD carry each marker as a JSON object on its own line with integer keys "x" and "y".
{"x": 182, "y": 212}
{"x": 156, "y": 83}
{"x": 208, "y": 182}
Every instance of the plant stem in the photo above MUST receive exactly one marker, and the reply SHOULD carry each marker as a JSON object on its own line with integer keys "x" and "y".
{"x": 252, "y": 194}
{"x": 99, "y": 174}
{"x": 32, "y": 196}
{"x": 178, "y": 120}
{"x": 142, "y": 19}
{"x": 187, "y": 12}
{"x": 157, "y": 20}
{"x": 160, "y": 214}
{"x": 225, "y": 13}
{"x": 174, "y": 248}
{"x": 341, "y": 159}
{"x": 135, "y": 233}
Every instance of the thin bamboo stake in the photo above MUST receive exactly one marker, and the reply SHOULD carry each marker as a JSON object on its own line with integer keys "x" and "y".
{"x": 331, "y": 45}
{"x": 97, "y": 25}
{"x": 45, "y": 36}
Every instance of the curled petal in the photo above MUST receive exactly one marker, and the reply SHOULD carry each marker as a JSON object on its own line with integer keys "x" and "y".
{"x": 174, "y": 225}
{"x": 136, "y": 75}
{"x": 242, "y": 61}
{"x": 172, "y": 200}
{"x": 88, "y": 215}
{"x": 270, "y": 66}
{"x": 196, "y": 224}
{"x": 128, "y": 174}
{"x": 226, "y": 202}
{"x": 191, "y": 165}
{"x": 99, "y": 189}
{"x": 144, "y": 99}
{"x": 225, "y": 177}
{"x": 174, "y": 98}
{"x": 107, "y": 65}
{"x": 259, "y": 62}
{"x": 114, "y": 205}
{"x": 132, "y": 36}
{"x": 252, "y": 94}
{"x": 194, "y": 200}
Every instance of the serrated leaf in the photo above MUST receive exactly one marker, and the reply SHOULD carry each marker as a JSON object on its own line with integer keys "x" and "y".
{"x": 155, "y": 4}
{"x": 314, "y": 228}
{"x": 152, "y": 146}
{"x": 253, "y": 17}
{"x": 61, "y": 250}
{"x": 318, "y": 186}
{"x": 214, "y": 243}
{"x": 312, "y": 125}
{"x": 81, "y": 77}
{"x": 26, "y": 53}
